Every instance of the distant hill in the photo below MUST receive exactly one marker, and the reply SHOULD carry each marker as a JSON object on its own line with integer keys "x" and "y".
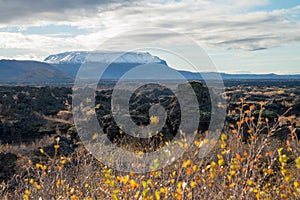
{"x": 31, "y": 73}
{"x": 225, "y": 76}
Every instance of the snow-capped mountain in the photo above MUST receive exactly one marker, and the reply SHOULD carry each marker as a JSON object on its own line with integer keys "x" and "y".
{"x": 78, "y": 57}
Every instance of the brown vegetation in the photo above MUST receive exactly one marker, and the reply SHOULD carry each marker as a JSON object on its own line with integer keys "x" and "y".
{"x": 263, "y": 167}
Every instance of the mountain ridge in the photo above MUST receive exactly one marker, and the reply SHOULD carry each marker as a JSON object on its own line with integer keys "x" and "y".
{"x": 119, "y": 66}
{"x": 62, "y": 68}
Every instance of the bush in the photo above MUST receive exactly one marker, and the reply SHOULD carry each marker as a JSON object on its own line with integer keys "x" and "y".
{"x": 262, "y": 168}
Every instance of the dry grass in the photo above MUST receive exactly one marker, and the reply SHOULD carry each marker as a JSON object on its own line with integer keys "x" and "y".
{"x": 262, "y": 168}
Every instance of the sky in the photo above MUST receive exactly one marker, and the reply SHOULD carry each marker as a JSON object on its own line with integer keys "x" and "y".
{"x": 239, "y": 36}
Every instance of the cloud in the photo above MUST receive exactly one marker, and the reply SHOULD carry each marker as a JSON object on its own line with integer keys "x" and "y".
{"x": 226, "y": 24}
{"x": 214, "y": 24}
{"x": 37, "y": 47}
{"x": 38, "y": 11}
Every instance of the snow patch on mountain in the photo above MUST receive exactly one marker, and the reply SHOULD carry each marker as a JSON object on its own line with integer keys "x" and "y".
{"x": 79, "y": 57}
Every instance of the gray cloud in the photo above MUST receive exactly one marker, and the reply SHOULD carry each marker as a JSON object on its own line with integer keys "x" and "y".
{"x": 212, "y": 23}
{"x": 16, "y": 11}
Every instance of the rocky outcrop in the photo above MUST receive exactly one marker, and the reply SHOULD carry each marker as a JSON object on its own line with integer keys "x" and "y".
{"x": 23, "y": 111}
{"x": 139, "y": 106}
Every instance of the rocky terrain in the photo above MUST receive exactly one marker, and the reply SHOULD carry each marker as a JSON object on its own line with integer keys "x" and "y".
{"x": 279, "y": 99}
{"x": 28, "y": 114}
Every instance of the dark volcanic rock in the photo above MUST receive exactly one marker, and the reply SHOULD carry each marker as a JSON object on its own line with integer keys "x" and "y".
{"x": 23, "y": 111}
{"x": 7, "y": 165}
{"x": 139, "y": 106}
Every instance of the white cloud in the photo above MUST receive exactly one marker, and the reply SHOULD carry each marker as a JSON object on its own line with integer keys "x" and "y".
{"x": 39, "y": 46}
{"x": 219, "y": 24}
